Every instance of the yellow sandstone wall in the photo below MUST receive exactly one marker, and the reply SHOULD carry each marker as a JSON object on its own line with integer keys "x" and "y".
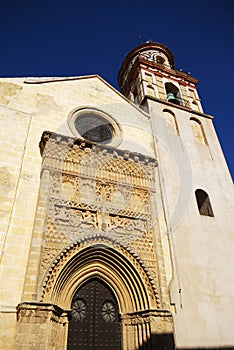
{"x": 26, "y": 110}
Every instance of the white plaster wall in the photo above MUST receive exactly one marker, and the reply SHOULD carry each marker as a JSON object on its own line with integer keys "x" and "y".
{"x": 203, "y": 286}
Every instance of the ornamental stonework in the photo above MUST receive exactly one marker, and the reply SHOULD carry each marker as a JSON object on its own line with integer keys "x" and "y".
{"x": 97, "y": 191}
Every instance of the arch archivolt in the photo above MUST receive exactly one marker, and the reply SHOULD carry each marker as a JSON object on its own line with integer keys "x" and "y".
{"x": 124, "y": 273}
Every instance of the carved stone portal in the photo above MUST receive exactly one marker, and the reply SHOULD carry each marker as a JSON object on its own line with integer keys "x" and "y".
{"x": 93, "y": 190}
{"x": 96, "y": 217}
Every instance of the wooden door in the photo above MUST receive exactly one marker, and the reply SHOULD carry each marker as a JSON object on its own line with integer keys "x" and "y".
{"x": 94, "y": 323}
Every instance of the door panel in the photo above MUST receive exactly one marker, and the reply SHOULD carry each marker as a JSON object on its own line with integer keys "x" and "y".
{"x": 94, "y": 324}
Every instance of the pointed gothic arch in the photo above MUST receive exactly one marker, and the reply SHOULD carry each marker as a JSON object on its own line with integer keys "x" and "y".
{"x": 125, "y": 275}
{"x": 123, "y": 272}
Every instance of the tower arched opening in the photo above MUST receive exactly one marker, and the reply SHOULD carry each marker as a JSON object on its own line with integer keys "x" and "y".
{"x": 173, "y": 94}
{"x": 203, "y": 203}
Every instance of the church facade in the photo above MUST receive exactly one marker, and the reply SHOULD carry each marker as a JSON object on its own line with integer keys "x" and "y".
{"x": 116, "y": 212}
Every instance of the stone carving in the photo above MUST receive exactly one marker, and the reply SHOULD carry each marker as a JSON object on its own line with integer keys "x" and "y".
{"x": 75, "y": 223}
{"x": 89, "y": 194}
{"x": 97, "y": 193}
{"x": 61, "y": 214}
{"x": 152, "y": 55}
{"x": 49, "y": 253}
{"x": 89, "y": 155}
{"x": 161, "y": 317}
{"x": 75, "y": 217}
{"x": 64, "y": 256}
{"x": 122, "y": 225}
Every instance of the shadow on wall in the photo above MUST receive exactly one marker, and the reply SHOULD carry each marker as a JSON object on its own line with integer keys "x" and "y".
{"x": 166, "y": 342}
{"x": 209, "y": 348}
{"x": 159, "y": 342}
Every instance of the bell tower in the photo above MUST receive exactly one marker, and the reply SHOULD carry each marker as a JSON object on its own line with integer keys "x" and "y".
{"x": 196, "y": 191}
{"x": 148, "y": 72}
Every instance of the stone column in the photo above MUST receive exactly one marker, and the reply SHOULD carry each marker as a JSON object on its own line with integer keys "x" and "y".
{"x": 144, "y": 330}
{"x": 41, "y": 326}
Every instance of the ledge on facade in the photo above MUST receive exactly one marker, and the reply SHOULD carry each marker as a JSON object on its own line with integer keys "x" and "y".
{"x": 139, "y": 61}
{"x": 150, "y": 312}
{"x": 167, "y": 103}
{"x": 177, "y": 73}
{"x": 34, "y": 305}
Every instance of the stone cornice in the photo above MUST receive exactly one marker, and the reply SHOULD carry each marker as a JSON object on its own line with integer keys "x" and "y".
{"x": 69, "y": 142}
{"x": 161, "y": 70}
{"x": 187, "y": 109}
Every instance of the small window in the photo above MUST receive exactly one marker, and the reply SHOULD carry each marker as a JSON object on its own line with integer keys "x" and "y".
{"x": 203, "y": 203}
{"x": 160, "y": 59}
{"x": 198, "y": 131}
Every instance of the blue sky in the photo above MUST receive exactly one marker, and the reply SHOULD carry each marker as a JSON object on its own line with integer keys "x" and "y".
{"x": 72, "y": 38}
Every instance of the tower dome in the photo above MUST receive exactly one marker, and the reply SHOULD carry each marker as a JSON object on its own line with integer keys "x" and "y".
{"x": 152, "y": 53}
{"x": 148, "y": 73}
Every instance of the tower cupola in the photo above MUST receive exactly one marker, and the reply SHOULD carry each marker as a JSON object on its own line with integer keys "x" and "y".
{"x": 148, "y": 71}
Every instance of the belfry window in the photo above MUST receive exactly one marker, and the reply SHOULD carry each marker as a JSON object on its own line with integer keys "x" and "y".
{"x": 203, "y": 203}
{"x": 173, "y": 94}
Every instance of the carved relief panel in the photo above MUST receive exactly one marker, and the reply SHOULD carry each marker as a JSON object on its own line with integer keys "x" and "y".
{"x": 97, "y": 190}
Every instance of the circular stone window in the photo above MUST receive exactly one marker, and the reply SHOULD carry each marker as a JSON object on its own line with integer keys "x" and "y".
{"x": 94, "y": 125}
